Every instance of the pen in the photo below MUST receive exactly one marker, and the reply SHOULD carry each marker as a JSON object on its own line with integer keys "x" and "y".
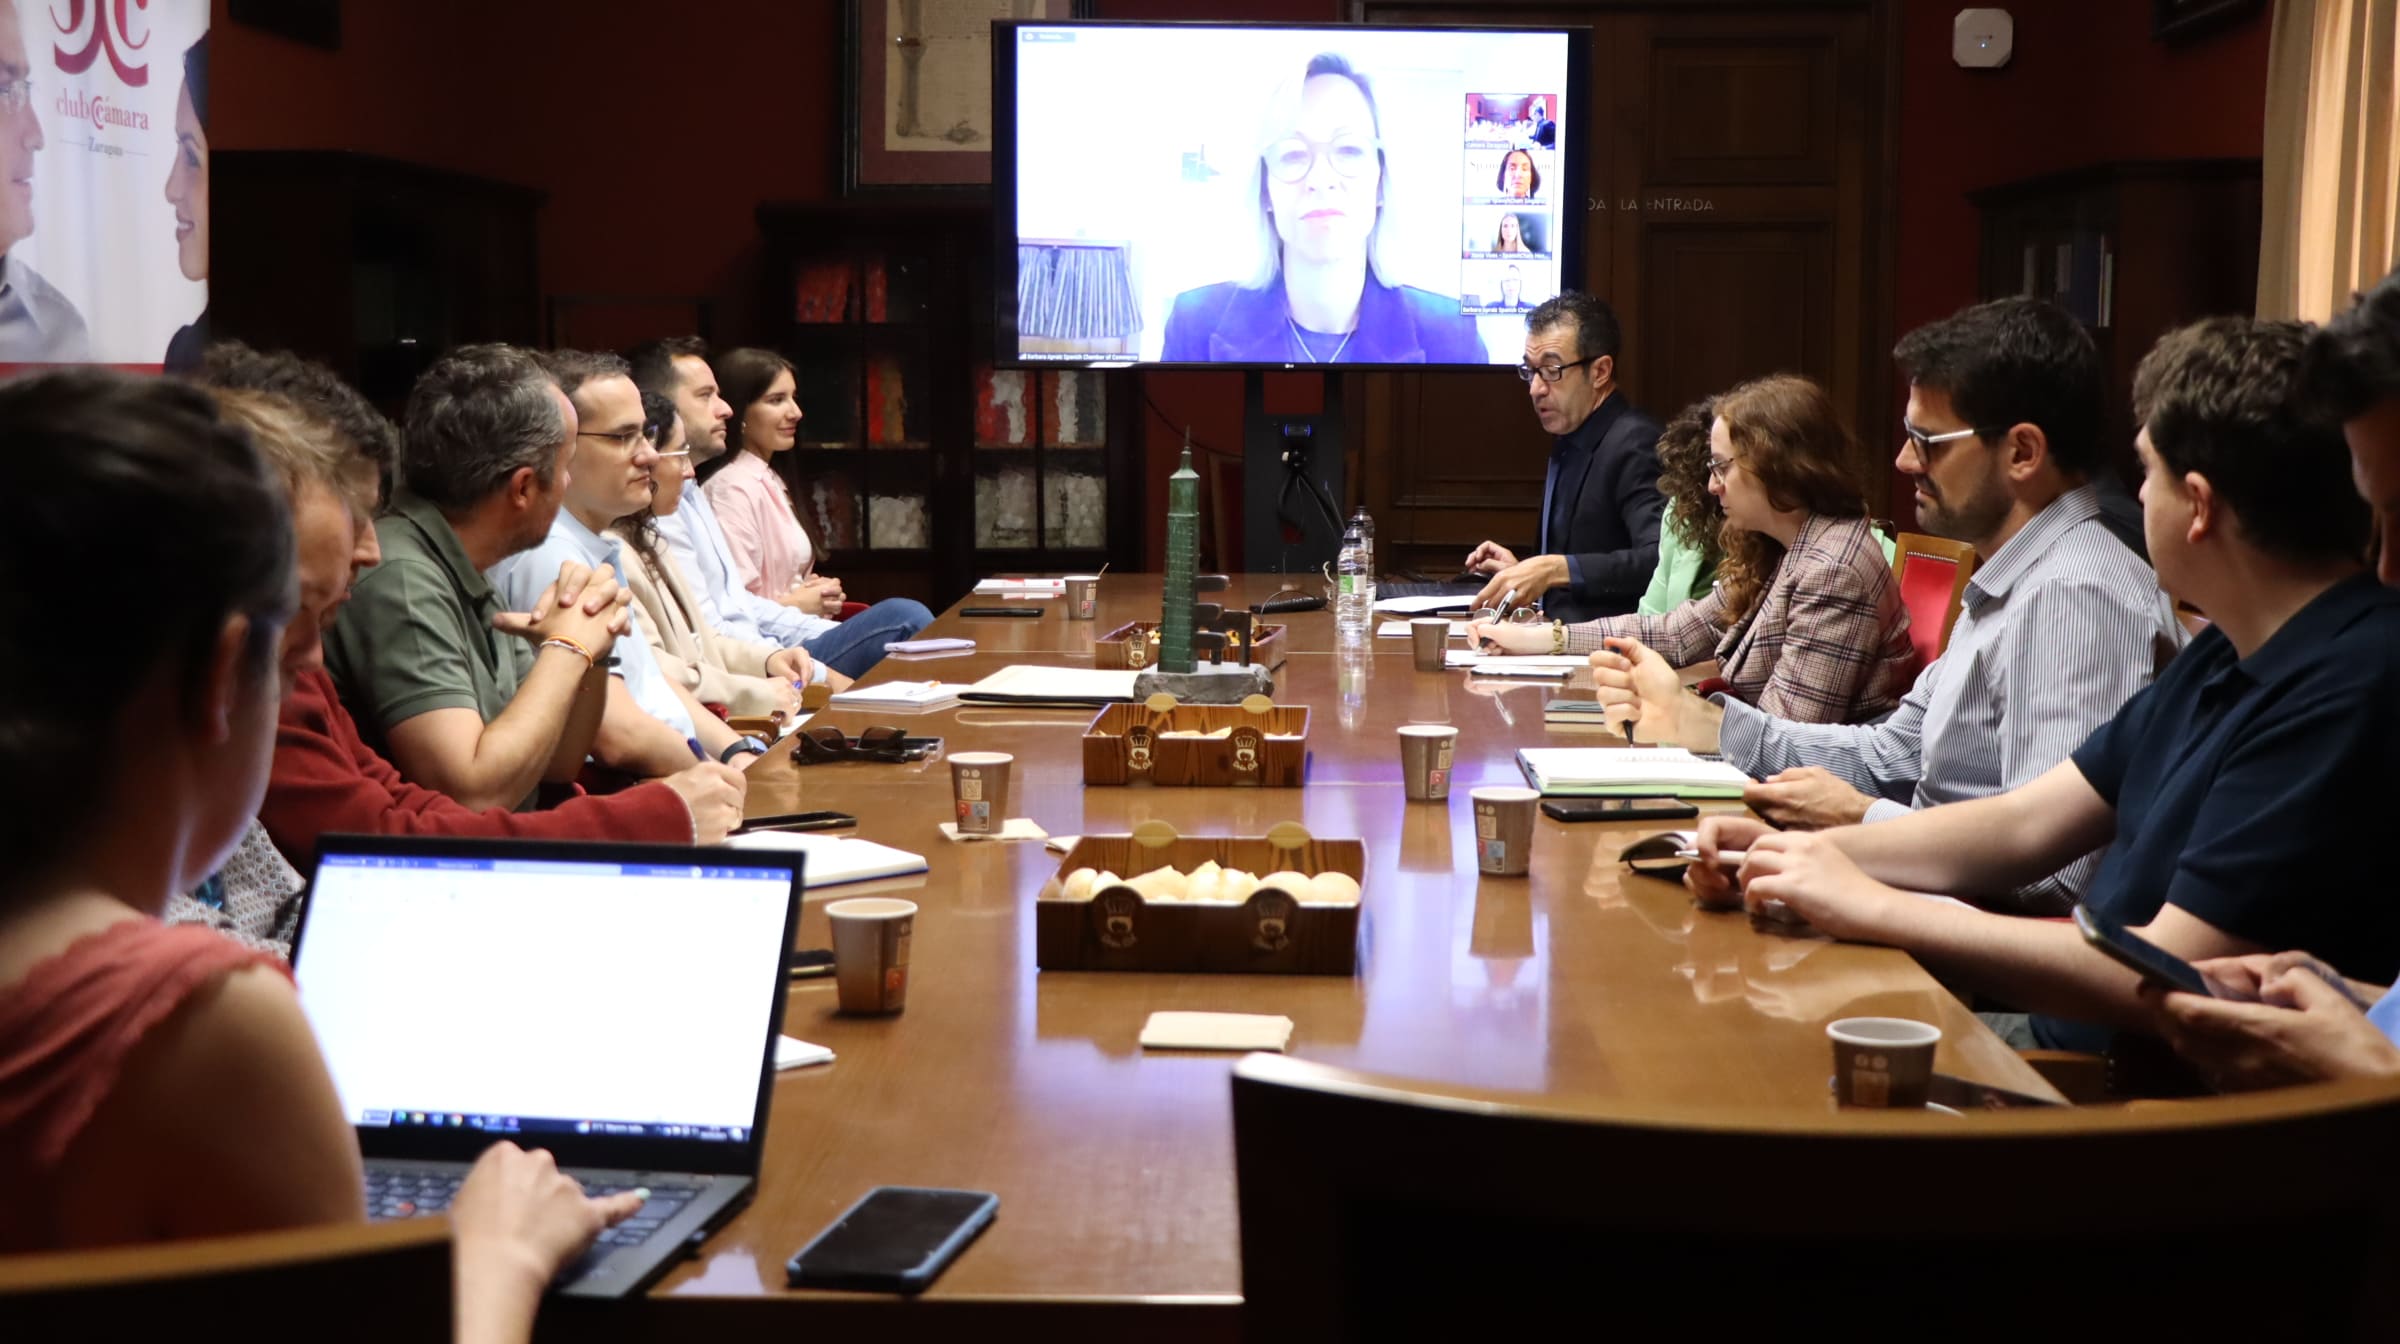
{"x": 1726, "y": 858}
{"x": 697, "y": 753}
{"x": 1500, "y": 612}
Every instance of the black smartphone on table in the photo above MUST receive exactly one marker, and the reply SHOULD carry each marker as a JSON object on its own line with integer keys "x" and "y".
{"x": 798, "y": 821}
{"x": 1617, "y": 809}
{"x": 895, "y": 1239}
{"x": 2138, "y": 954}
{"x": 999, "y": 611}
{"x": 1961, "y": 1094}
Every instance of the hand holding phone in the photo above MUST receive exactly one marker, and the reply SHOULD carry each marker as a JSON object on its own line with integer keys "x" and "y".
{"x": 2138, "y": 954}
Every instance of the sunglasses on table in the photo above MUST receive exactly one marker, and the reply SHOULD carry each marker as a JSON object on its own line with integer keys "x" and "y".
{"x": 821, "y": 743}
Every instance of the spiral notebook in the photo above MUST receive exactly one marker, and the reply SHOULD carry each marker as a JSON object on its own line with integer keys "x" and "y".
{"x": 1603, "y": 772}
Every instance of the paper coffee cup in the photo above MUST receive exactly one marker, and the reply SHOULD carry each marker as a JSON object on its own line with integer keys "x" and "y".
{"x": 979, "y": 787}
{"x": 1082, "y": 596}
{"x": 1429, "y": 640}
{"x": 1427, "y": 751}
{"x": 1504, "y": 828}
{"x": 1882, "y": 1061}
{"x": 871, "y": 935}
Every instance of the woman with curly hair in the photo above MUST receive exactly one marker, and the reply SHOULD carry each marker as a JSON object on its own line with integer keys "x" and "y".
{"x": 1687, "y": 535}
{"x": 1804, "y": 619}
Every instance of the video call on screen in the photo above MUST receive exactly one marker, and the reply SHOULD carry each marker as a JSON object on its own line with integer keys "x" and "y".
{"x": 1175, "y": 177}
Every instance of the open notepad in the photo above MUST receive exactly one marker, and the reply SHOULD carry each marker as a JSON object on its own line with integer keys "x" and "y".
{"x": 1025, "y": 684}
{"x": 1427, "y": 605}
{"x": 1020, "y": 587}
{"x": 1517, "y": 664}
{"x": 1577, "y": 772}
{"x": 1400, "y": 630}
{"x": 834, "y": 859}
{"x": 898, "y": 695}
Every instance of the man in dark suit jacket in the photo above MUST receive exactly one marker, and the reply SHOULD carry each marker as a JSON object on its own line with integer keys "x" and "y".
{"x": 1600, "y": 502}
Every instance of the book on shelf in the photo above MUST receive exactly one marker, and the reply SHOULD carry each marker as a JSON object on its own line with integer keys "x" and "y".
{"x": 1599, "y": 772}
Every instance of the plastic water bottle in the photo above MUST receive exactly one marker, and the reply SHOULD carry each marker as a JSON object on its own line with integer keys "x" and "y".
{"x": 1354, "y": 591}
{"x": 1366, "y": 536}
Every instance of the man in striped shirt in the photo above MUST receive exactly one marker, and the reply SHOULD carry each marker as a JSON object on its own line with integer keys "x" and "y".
{"x": 2060, "y": 624}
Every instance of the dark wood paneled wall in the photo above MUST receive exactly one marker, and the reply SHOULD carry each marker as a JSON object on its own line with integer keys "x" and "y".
{"x": 1740, "y": 167}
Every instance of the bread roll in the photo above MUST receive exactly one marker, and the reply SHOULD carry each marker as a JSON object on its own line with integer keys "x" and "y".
{"x": 1160, "y": 884}
{"x": 1235, "y": 886}
{"x": 1294, "y": 885}
{"x": 1333, "y": 889}
{"x": 1103, "y": 880}
{"x": 1078, "y": 886}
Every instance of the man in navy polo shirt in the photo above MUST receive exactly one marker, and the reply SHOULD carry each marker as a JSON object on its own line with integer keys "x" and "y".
{"x": 2227, "y": 790}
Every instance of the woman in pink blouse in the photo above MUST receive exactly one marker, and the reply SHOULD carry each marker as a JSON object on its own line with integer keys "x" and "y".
{"x": 771, "y": 549}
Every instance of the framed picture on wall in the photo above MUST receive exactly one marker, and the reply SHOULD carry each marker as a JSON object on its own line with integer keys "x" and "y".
{"x": 917, "y": 91}
{"x": 2182, "y": 20}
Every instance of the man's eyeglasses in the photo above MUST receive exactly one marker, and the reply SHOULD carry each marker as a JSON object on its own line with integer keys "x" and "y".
{"x": 1550, "y": 373}
{"x": 623, "y": 438}
{"x": 1926, "y": 443}
{"x": 15, "y": 96}
{"x": 1290, "y": 159}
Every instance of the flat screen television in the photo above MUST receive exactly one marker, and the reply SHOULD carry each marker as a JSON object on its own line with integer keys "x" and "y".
{"x": 1279, "y": 196}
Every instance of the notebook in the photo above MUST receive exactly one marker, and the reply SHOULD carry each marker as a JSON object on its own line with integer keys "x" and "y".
{"x": 833, "y": 860}
{"x": 1020, "y": 587}
{"x": 1427, "y": 604}
{"x": 1025, "y": 684}
{"x": 1585, "y": 772}
{"x": 912, "y": 696}
{"x": 618, "y": 1005}
{"x": 1517, "y": 664}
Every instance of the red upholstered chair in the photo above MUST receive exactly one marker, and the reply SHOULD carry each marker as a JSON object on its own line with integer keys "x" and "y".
{"x": 1933, "y": 574}
{"x": 849, "y": 609}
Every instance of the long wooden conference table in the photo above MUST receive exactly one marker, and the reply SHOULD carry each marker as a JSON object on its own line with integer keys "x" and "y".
{"x": 1115, "y": 1167}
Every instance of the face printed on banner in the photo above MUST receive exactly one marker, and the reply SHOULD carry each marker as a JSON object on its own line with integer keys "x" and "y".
{"x": 187, "y": 189}
{"x": 20, "y": 130}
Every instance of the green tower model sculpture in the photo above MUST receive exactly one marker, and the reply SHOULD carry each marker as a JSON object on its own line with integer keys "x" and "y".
{"x": 1183, "y": 562}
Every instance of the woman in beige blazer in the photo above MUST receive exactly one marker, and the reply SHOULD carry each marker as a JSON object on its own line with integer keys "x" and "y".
{"x": 746, "y": 678}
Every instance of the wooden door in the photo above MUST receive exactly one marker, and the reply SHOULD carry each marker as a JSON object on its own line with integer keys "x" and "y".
{"x": 1737, "y": 217}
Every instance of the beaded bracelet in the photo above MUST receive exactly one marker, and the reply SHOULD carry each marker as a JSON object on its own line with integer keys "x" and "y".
{"x": 561, "y": 642}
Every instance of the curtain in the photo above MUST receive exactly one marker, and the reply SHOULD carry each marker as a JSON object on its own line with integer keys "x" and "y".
{"x": 2331, "y": 222}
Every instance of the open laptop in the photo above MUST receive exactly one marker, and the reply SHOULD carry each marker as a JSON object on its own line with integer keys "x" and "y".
{"x": 616, "y": 1004}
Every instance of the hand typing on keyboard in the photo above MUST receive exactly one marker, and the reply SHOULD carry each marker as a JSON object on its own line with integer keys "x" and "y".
{"x": 518, "y": 1220}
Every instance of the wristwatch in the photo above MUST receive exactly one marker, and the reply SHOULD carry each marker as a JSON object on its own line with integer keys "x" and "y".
{"x": 754, "y": 746}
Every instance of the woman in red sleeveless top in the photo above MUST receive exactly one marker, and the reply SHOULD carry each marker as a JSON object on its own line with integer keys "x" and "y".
{"x": 157, "y": 1082}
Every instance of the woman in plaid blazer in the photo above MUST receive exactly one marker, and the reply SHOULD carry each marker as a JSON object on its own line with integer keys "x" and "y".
{"x": 1804, "y": 619}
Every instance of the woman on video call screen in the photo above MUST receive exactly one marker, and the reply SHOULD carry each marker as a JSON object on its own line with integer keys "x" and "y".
{"x": 1284, "y": 196}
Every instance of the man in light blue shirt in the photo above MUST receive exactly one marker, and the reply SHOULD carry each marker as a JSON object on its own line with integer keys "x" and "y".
{"x": 650, "y": 726}
{"x": 2060, "y": 623}
{"x": 677, "y": 368}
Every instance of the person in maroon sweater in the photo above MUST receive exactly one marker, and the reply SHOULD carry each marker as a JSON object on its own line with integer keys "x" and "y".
{"x": 325, "y": 778}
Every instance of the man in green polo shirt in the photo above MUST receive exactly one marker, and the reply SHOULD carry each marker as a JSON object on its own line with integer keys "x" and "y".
{"x": 464, "y": 697}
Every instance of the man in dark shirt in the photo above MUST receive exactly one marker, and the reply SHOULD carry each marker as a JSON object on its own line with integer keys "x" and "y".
{"x": 2229, "y": 788}
{"x": 1600, "y": 501}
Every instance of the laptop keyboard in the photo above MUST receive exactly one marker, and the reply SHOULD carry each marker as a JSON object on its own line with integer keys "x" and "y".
{"x": 1458, "y": 590}
{"x": 412, "y": 1194}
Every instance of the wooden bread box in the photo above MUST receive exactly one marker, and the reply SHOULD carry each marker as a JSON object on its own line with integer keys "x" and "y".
{"x": 1265, "y": 744}
{"x": 1128, "y": 648}
{"x": 1271, "y": 932}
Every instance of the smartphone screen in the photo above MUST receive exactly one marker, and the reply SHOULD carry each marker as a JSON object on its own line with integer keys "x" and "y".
{"x": 2136, "y": 953}
{"x": 896, "y": 1239}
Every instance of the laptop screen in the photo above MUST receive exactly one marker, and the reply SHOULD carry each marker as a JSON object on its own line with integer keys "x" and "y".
{"x": 547, "y": 991}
